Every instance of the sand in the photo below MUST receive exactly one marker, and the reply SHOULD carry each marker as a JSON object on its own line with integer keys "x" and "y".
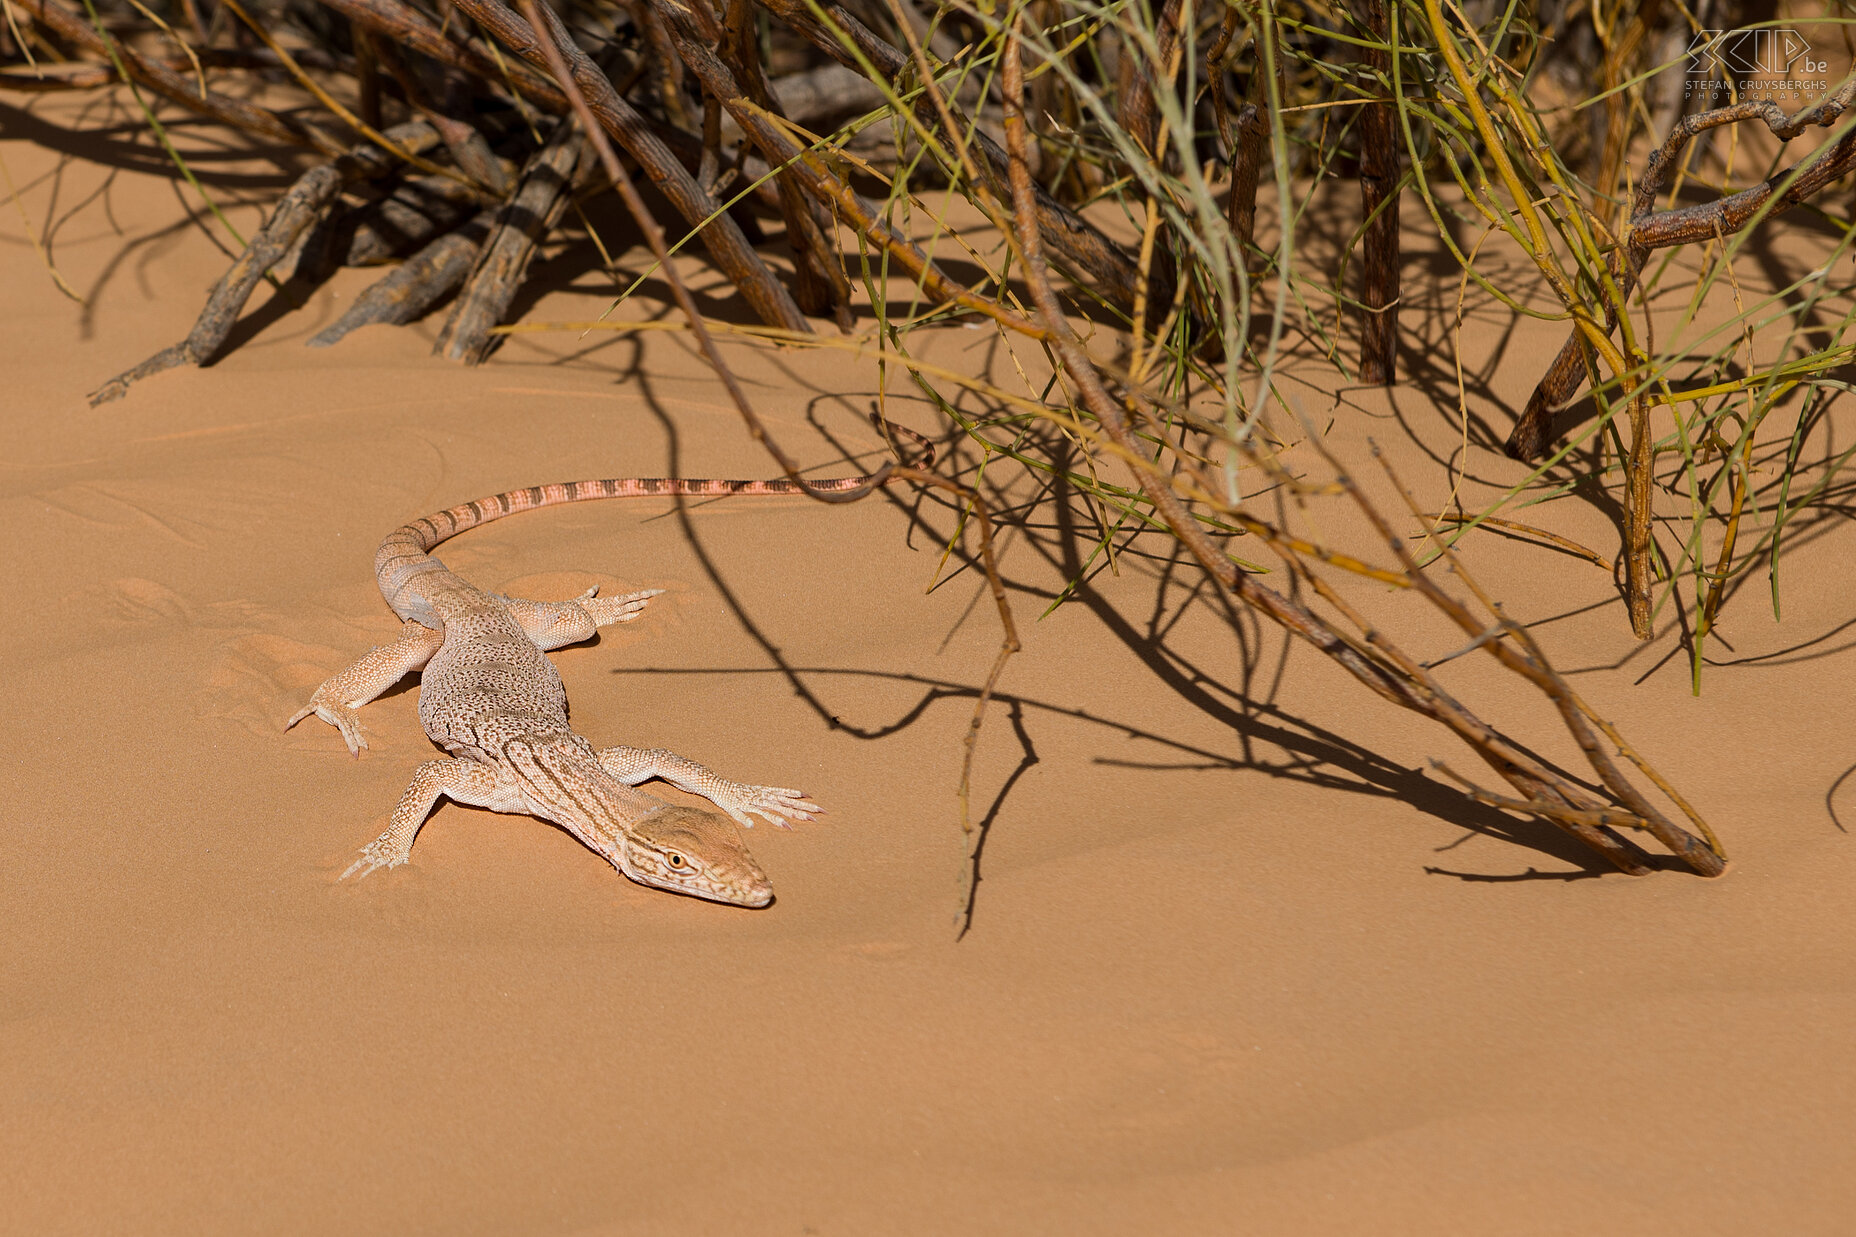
{"x": 1235, "y": 962}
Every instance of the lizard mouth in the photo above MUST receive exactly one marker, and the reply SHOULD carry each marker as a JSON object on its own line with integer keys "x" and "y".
{"x": 752, "y": 891}
{"x": 753, "y": 897}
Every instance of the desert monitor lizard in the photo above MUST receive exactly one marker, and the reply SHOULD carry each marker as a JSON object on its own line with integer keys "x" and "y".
{"x": 492, "y": 699}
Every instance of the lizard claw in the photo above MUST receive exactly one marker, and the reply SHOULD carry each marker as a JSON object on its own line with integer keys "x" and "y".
{"x": 379, "y": 853}
{"x": 775, "y": 804}
{"x": 621, "y": 609}
{"x": 342, "y": 717}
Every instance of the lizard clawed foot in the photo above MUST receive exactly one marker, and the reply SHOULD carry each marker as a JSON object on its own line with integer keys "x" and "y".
{"x": 343, "y": 717}
{"x": 775, "y": 804}
{"x": 622, "y": 609}
{"x": 382, "y": 852}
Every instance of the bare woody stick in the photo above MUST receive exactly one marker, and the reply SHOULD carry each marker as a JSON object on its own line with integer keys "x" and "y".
{"x": 1686, "y": 225}
{"x": 416, "y": 284}
{"x": 73, "y": 77}
{"x": 407, "y": 27}
{"x": 554, "y": 50}
{"x": 820, "y": 281}
{"x": 1245, "y": 132}
{"x": 1252, "y": 130}
{"x": 469, "y": 149}
{"x": 615, "y": 116}
{"x": 662, "y": 68}
{"x": 693, "y": 44}
{"x": 1525, "y": 657}
{"x": 366, "y": 74}
{"x": 520, "y": 226}
{"x": 414, "y": 213}
{"x": 1138, "y": 83}
{"x": 298, "y": 209}
{"x": 723, "y": 236}
{"x": 1379, "y": 204}
{"x": 1077, "y": 243}
{"x": 1139, "y": 111}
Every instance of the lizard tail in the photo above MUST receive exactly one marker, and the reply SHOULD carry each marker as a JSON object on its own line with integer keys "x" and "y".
{"x": 406, "y": 554}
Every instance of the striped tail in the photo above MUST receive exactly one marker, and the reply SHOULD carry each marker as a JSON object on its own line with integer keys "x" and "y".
{"x": 405, "y": 555}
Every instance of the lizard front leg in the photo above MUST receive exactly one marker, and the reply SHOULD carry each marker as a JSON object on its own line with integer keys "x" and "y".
{"x": 340, "y": 695}
{"x": 556, "y": 624}
{"x": 466, "y": 781}
{"x": 633, "y": 765}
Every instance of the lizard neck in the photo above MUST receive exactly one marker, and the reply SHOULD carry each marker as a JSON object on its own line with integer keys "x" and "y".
{"x": 563, "y": 781}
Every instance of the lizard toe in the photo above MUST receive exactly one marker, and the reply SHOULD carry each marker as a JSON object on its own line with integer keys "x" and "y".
{"x": 348, "y": 722}
{"x": 778, "y": 805}
{"x": 344, "y": 717}
{"x": 379, "y": 853}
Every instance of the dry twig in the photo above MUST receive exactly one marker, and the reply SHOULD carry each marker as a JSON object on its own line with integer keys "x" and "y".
{"x": 1650, "y": 230}
{"x": 299, "y": 209}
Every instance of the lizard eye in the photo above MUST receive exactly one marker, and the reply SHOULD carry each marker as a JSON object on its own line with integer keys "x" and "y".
{"x": 676, "y": 861}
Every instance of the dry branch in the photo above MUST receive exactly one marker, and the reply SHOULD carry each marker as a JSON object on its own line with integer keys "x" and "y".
{"x": 1639, "y": 506}
{"x": 1252, "y": 131}
{"x": 1685, "y": 225}
{"x": 1078, "y": 244}
{"x": 729, "y": 240}
{"x": 366, "y": 72}
{"x": 719, "y": 233}
{"x": 76, "y": 76}
{"x": 468, "y": 147}
{"x": 416, "y": 211}
{"x": 1528, "y": 660}
{"x": 407, "y": 27}
{"x": 820, "y": 282}
{"x": 781, "y": 150}
{"x": 297, "y": 211}
{"x": 1139, "y": 111}
{"x": 416, "y": 284}
{"x": 1379, "y": 205}
{"x": 518, "y": 229}
{"x": 1137, "y": 94}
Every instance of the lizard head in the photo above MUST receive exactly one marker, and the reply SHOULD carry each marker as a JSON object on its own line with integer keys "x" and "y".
{"x": 687, "y": 850}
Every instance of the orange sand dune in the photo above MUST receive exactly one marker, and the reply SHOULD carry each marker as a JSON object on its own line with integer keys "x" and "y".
{"x": 1236, "y": 964}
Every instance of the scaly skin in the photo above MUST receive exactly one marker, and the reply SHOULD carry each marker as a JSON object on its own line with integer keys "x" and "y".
{"x": 493, "y": 700}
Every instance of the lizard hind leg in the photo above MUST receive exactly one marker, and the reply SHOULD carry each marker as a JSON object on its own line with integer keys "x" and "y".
{"x": 341, "y": 695}
{"x": 466, "y": 781}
